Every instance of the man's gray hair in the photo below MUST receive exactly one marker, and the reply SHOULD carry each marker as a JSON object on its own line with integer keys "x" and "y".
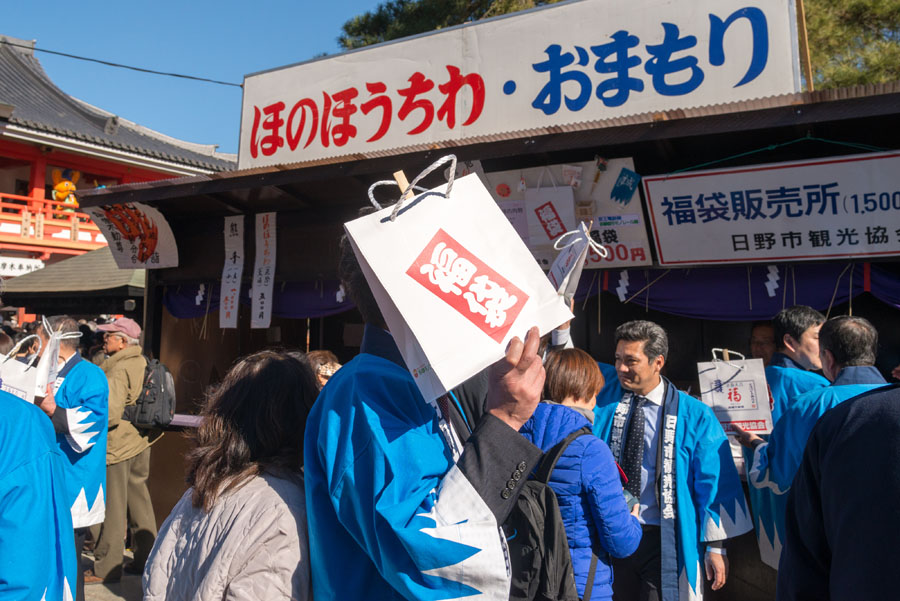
{"x": 655, "y": 340}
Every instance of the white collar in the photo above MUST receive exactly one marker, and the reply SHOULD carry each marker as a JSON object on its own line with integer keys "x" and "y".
{"x": 656, "y": 395}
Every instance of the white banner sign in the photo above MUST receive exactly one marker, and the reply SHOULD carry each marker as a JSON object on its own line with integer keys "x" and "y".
{"x": 232, "y": 272}
{"x": 263, "y": 271}
{"x": 570, "y": 63}
{"x": 138, "y": 235}
{"x": 11, "y": 267}
{"x": 818, "y": 209}
{"x": 607, "y": 195}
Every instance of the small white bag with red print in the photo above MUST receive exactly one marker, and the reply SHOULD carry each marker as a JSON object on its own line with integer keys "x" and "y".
{"x": 453, "y": 279}
{"x": 550, "y": 213}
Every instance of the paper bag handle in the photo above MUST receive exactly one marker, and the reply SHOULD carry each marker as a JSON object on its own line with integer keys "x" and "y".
{"x": 541, "y": 177}
{"x": 12, "y": 353}
{"x": 598, "y": 248}
{"x": 451, "y": 158}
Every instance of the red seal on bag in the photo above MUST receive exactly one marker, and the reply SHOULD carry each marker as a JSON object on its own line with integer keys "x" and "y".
{"x": 463, "y": 281}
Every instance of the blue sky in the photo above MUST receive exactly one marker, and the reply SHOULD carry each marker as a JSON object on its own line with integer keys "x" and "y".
{"x": 222, "y": 40}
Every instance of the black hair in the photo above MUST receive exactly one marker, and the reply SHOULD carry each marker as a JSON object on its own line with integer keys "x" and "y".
{"x": 355, "y": 284}
{"x": 654, "y": 337}
{"x": 794, "y": 321}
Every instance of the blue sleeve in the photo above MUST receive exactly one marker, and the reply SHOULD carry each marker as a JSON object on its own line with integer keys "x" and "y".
{"x": 427, "y": 530}
{"x": 775, "y": 462}
{"x": 37, "y": 557}
{"x": 618, "y": 530}
{"x": 82, "y": 419}
{"x": 716, "y": 490}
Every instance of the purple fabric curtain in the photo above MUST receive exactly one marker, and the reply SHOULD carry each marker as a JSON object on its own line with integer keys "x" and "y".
{"x": 743, "y": 293}
{"x": 295, "y": 300}
{"x": 730, "y": 293}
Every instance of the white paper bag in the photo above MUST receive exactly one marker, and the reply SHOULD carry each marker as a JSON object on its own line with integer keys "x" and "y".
{"x": 573, "y": 249}
{"x": 454, "y": 282}
{"x": 739, "y": 395}
{"x": 17, "y": 378}
{"x": 550, "y": 213}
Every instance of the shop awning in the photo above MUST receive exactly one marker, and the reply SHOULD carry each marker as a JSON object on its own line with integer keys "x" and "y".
{"x": 87, "y": 284}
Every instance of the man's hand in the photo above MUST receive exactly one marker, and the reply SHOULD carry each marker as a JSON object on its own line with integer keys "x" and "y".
{"x": 636, "y": 510}
{"x": 516, "y": 381}
{"x": 716, "y": 569}
{"x": 747, "y": 439}
{"x": 48, "y": 403}
{"x": 895, "y": 373}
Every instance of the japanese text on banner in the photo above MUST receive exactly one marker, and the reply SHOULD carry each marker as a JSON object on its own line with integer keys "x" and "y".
{"x": 263, "y": 272}
{"x": 232, "y": 272}
{"x": 824, "y": 208}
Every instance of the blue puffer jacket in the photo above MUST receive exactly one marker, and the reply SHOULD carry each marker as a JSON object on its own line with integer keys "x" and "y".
{"x": 586, "y": 483}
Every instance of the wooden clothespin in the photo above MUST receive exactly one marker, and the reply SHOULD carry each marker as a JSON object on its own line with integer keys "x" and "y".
{"x": 401, "y": 180}
{"x": 726, "y": 356}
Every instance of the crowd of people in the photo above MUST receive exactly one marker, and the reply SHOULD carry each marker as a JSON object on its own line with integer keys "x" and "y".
{"x": 312, "y": 480}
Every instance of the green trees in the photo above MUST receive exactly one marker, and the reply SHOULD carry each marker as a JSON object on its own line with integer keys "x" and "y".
{"x": 851, "y": 41}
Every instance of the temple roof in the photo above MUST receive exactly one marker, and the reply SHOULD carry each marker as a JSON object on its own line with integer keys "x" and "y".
{"x": 39, "y": 106}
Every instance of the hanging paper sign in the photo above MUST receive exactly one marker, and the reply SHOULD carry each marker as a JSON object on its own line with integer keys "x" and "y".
{"x": 617, "y": 227}
{"x": 263, "y": 271}
{"x": 737, "y": 392}
{"x": 138, "y": 235}
{"x": 232, "y": 272}
{"x": 514, "y": 210}
{"x": 839, "y": 207}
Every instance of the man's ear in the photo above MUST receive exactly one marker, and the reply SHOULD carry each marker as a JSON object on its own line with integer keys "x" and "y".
{"x": 789, "y": 342}
{"x": 659, "y": 362}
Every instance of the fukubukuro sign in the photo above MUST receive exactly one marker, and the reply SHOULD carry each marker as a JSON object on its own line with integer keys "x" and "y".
{"x": 600, "y": 196}
{"x": 138, "y": 235}
{"x": 819, "y": 209}
{"x": 575, "y": 62}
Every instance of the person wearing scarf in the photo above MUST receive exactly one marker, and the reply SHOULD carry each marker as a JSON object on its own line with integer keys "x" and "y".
{"x": 689, "y": 492}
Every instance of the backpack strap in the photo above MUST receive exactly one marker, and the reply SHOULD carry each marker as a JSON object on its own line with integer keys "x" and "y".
{"x": 592, "y": 573}
{"x": 552, "y": 456}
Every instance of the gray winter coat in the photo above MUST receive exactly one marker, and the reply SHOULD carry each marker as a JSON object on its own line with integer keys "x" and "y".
{"x": 251, "y": 545}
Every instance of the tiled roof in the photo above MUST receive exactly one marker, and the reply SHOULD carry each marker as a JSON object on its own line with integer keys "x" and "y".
{"x": 41, "y": 106}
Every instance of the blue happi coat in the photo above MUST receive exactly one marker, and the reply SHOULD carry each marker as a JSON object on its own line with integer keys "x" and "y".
{"x": 37, "y": 543}
{"x": 776, "y": 462}
{"x": 709, "y": 501}
{"x": 82, "y": 395}
{"x": 787, "y": 379}
{"x": 390, "y": 514}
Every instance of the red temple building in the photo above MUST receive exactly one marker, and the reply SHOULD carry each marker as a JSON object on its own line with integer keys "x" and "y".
{"x": 47, "y": 136}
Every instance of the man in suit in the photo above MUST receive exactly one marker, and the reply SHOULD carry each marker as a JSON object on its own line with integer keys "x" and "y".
{"x": 842, "y": 519}
{"x": 678, "y": 464}
{"x": 397, "y": 487}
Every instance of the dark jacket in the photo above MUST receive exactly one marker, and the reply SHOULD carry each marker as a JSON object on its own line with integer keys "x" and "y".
{"x": 586, "y": 483}
{"x": 842, "y": 519}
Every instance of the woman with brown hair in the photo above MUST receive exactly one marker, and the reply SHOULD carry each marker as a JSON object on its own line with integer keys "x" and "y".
{"x": 240, "y": 530}
{"x": 585, "y": 479}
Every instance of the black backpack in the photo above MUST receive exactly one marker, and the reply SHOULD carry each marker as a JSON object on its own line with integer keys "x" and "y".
{"x": 155, "y": 407}
{"x": 538, "y": 548}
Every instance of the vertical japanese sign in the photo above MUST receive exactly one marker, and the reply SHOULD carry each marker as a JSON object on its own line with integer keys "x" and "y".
{"x": 570, "y": 63}
{"x": 232, "y": 272}
{"x": 263, "y": 271}
{"x": 138, "y": 235}
{"x": 825, "y": 208}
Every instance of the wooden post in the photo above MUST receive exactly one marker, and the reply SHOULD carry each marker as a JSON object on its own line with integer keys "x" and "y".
{"x": 804, "y": 47}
